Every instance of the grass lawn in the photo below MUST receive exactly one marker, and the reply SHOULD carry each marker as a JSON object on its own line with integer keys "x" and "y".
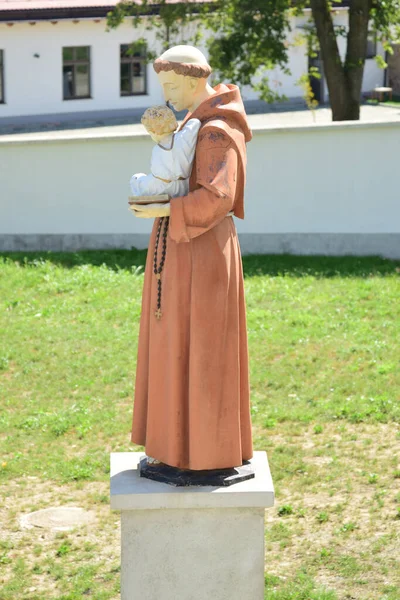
{"x": 324, "y": 337}
{"x": 395, "y": 102}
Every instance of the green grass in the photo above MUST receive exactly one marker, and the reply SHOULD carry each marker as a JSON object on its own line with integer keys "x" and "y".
{"x": 324, "y": 338}
{"x": 395, "y": 102}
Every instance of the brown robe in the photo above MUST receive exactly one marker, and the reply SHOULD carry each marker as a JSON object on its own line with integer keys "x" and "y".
{"x": 192, "y": 407}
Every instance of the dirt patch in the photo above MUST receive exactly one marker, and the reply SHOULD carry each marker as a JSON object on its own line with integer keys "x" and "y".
{"x": 347, "y": 531}
{"x": 343, "y": 527}
{"x": 42, "y": 550}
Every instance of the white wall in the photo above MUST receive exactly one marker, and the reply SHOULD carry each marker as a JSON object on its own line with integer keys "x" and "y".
{"x": 33, "y": 86}
{"x": 324, "y": 179}
{"x": 314, "y": 179}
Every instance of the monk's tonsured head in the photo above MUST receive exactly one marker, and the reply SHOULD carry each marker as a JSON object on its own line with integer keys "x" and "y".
{"x": 183, "y": 72}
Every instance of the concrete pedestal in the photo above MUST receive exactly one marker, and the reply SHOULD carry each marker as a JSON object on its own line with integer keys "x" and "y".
{"x": 190, "y": 543}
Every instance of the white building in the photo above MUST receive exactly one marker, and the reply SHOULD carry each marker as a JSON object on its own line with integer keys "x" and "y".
{"x": 58, "y": 61}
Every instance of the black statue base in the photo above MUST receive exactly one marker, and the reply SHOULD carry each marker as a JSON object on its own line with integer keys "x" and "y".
{"x": 181, "y": 477}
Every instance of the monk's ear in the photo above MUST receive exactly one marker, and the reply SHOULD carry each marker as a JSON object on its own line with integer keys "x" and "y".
{"x": 194, "y": 83}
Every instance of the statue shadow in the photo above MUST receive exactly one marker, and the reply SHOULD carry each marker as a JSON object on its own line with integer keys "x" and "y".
{"x": 290, "y": 265}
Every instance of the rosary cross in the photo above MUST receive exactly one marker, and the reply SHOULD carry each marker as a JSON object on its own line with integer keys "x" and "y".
{"x": 158, "y": 313}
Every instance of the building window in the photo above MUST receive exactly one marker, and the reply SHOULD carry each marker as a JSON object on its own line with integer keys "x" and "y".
{"x": 371, "y": 45}
{"x": 1, "y": 77}
{"x": 76, "y": 72}
{"x": 133, "y": 71}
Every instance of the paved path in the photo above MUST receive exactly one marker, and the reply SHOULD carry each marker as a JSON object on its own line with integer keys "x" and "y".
{"x": 369, "y": 113}
{"x": 297, "y": 116}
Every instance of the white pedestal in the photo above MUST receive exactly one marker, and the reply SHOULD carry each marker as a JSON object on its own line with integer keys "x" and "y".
{"x": 190, "y": 543}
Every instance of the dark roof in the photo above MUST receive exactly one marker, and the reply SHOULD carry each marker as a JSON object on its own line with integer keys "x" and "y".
{"x": 30, "y": 10}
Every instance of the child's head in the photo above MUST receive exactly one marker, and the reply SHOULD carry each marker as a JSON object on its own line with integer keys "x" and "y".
{"x": 159, "y": 121}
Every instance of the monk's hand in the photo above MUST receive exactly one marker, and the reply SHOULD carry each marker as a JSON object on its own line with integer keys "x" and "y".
{"x": 150, "y": 211}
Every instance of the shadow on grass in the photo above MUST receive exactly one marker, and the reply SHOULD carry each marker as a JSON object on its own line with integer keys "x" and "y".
{"x": 257, "y": 264}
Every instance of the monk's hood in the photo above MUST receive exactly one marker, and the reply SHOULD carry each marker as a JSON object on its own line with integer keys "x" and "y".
{"x": 226, "y": 104}
{"x": 225, "y": 110}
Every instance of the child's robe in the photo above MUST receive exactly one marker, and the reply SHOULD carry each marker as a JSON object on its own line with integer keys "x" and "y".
{"x": 171, "y": 164}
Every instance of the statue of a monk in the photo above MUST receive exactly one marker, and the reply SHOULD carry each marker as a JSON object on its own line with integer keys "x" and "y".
{"x": 191, "y": 406}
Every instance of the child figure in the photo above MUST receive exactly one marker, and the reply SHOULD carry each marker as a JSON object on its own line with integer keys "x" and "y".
{"x": 171, "y": 158}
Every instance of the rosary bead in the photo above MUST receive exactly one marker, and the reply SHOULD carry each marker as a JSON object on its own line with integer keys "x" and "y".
{"x": 158, "y": 269}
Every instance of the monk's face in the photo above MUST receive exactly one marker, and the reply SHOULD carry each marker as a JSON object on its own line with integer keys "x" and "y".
{"x": 180, "y": 91}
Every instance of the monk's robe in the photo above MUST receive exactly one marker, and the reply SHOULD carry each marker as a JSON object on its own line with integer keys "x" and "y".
{"x": 191, "y": 402}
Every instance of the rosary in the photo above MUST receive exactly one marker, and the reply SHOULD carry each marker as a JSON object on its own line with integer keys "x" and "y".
{"x": 158, "y": 268}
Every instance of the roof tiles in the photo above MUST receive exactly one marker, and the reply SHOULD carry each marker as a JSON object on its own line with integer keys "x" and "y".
{"x": 11, "y": 5}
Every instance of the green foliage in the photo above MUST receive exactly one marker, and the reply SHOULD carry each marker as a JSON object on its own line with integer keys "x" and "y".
{"x": 240, "y": 50}
{"x": 246, "y": 47}
{"x": 250, "y": 37}
{"x": 348, "y": 527}
{"x": 305, "y": 84}
{"x": 323, "y": 517}
{"x": 167, "y": 20}
{"x": 299, "y": 587}
{"x": 372, "y": 478}
{"x": 64, "y": 549}
{"x": 385, "y": 21}
{"x": 286, "y": 509}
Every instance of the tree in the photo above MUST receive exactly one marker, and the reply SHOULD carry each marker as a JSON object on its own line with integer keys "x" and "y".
{"x": 344, "y": 78}
{"x": 250, "y": 38}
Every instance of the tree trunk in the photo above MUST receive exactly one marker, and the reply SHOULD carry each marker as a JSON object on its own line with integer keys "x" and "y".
{"x": 344, "y": 80}
{"x": 356, "y": 51}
